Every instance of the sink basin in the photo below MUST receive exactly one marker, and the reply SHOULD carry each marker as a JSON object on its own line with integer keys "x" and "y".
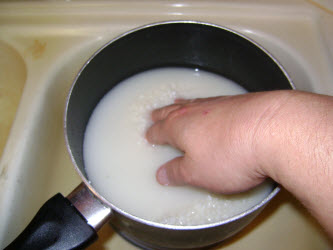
{"x": 45, "y": 44}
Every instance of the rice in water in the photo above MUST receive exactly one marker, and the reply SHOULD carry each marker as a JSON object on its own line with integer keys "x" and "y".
{"x": 121, "y": 164}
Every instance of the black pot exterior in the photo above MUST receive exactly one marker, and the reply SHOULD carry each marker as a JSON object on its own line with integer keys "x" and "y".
{"x": 169, "y": 44}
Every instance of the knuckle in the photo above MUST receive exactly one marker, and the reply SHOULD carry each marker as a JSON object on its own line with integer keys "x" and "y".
{"x": 178, "y": 112}
{"x": 164, "y": 112}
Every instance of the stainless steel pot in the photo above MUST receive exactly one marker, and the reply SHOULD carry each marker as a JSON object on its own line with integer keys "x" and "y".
{"x": 175, "y": 43}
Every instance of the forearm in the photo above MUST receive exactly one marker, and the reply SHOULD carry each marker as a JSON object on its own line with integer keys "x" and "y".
{"x": 297, "y": 150}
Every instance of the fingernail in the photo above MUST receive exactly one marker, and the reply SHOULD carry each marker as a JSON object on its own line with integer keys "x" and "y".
{"x": 162, "y": 177}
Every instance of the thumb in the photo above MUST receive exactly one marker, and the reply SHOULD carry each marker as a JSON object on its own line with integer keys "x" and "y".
{"x": 173, "y": 172}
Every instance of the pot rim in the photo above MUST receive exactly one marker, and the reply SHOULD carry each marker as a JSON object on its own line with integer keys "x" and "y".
{"x": 131, "y": 216}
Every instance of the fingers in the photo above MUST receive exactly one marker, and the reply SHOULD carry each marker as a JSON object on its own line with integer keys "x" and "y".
{"x": 159, "y": 132}
{"x": 162, "y": 113}
{"x": 156, "y": 134}
{"x": 173, "y": 173}
{"x": 166, "y": 118}
{"x": 165, "y": 130}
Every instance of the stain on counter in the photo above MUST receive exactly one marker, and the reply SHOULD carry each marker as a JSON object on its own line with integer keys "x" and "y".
{"x": 37, "y": 49}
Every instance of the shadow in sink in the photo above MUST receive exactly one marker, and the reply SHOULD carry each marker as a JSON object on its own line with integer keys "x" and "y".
{"x": 13, "y": 74}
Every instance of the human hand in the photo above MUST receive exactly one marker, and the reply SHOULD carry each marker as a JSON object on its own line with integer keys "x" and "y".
{"x": 233, "y": 143}
{"x": 219, "y": 137}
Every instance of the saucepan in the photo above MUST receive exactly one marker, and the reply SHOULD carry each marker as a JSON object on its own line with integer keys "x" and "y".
{"x": 72, "y": 222}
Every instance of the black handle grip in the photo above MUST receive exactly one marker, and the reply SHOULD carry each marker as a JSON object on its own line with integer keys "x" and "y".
{"x": 57, "y": 225}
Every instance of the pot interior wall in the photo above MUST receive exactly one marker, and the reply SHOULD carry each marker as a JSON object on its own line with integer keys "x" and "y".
{"x": 174, "y": 44}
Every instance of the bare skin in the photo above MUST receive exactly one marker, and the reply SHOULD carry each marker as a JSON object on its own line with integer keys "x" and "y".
{"x": 232, "y": 144}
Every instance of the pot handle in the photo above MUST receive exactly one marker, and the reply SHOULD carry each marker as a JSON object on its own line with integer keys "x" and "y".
{"x": 59, "y": 224}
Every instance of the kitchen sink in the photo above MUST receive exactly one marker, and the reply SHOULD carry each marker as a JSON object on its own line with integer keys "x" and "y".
{"x": 43, "y": 45}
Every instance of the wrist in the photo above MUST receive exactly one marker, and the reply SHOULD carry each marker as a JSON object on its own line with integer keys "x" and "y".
{"x": 296, "y": 150}
{"x": 270, "y": 135}
{"x": 296, "y": 136}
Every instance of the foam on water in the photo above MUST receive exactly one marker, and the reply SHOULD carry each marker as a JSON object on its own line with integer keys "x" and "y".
{"x": 121, "y": 164}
